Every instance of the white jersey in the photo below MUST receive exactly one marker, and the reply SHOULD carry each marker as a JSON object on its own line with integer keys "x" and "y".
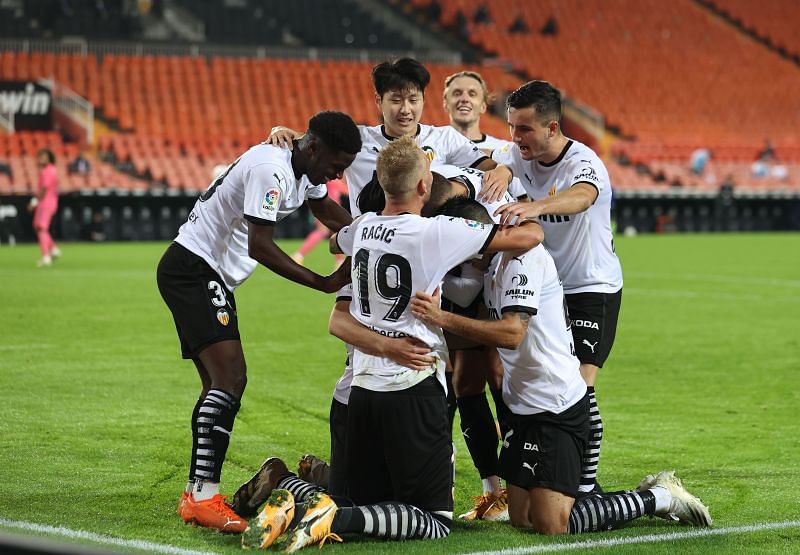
{"x": 393, "y": 257}
{"x": 444, "y": 145}
{"x": 543, "y": 373}
{"x": 259, "y": 187}
{"x": 472, "y": 179}
{"x": 342, "y": 390}
{"x": 581, "y": 244}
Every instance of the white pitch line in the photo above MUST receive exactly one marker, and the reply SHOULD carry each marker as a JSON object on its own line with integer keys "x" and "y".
{"x": 648, "y": 538}
{"x": 100, "y": 538}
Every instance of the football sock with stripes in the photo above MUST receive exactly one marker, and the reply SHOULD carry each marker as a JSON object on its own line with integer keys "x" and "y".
{"x": 609, "y": 511}
{"x": 192, "y": 464}
{"x": 213, "y": 426}
{"x": 391, "y": 521}
{"x": 502, "y": 411}
{"x": 480, "y": 432}
{"x": 300, "y": 489}
{"x": 591, "y": 455}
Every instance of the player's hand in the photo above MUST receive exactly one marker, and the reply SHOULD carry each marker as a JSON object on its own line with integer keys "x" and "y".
{"x": 339, "y": 278}
{"x": 409, "y": 352}
{"x": 32, "y": 204}
{"x": 495, "y": 183}
{"x": 282, "y": 137}
{"x": 514, "y": 213}
{"x": 427, "y": 307}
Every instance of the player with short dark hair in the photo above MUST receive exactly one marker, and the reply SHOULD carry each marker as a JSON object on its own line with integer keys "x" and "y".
{"x": 229, "y": 232}
{"x": 542, "y": 451}
{"x": 571, "y": 195}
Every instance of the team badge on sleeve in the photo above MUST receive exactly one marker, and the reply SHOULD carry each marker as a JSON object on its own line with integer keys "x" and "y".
{"x": 271, "y": 200}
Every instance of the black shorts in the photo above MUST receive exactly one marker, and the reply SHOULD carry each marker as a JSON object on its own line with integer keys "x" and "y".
{"x": 202, "y": 307}
{"x": 546, "y": 450}
{"x": 337, "y": 482}
{"x": 399, "y": 447}
{"x": 594, "y": 324}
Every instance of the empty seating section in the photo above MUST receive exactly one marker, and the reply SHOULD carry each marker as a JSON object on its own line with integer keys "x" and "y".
{"x": 672, "y": 74}
{"x": 180, "y": 116}
{"x": 774, "y": 20}
{"x": 19, "y": 151}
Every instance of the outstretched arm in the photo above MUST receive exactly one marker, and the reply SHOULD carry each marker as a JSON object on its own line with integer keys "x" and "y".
{"x": 574, "y": 200}
{"x": 262, "y": 248}
{"x": 507, "y": 333}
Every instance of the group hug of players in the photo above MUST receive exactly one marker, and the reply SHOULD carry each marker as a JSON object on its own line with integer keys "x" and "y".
{"x": 471, "y": 261}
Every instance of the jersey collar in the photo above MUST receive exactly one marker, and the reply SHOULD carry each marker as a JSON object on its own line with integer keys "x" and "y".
{"x": 388, "y": 138}
{"x": 560, "y": 156}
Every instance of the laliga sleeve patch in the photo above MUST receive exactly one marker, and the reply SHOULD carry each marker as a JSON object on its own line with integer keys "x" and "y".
{"x": 271, "y": 201}
{"x": 473, "y": 224}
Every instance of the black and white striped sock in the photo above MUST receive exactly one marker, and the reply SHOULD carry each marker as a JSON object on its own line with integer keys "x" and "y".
{"x": 192, "y": 463}
{"x": 609, "y": 511}
{"x": 213, "y": 426}
{"x": 300, "y": 489}
{"x": 591, "y": 455}
{"x": 392, "y": 521}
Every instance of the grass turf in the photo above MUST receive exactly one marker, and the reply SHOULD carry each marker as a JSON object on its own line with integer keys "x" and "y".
{"x": 94, "y": 433}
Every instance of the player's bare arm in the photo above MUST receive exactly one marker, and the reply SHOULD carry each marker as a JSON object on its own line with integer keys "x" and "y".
{"x": 330, "y": 213}
{"x": 574, "y": 200}
{"x": 517, "y": 238}
{"x": 507, "y": 333}
{"x": 262, "y": 248}
{"x": 282, "y": 136}
{"x": 405, "y": 351}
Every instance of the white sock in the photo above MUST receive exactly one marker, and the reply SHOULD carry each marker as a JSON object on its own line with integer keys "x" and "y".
{"x": 663, "y": 498}
{"x": 203, "y": 490}
{"x": 491, "y": 484}
{"x": 585, "y": 488}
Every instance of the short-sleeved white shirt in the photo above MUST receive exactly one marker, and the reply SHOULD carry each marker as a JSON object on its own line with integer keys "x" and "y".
{"x": 582, "y": 245}
{"x": 542, "y": 374}
{"x": 443, "y": 144}
{"x": 260, "y": 187}
{"x": 394, "y": 257}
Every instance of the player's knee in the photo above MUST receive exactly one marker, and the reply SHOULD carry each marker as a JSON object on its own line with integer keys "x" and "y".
{"x": 550, "y": 524}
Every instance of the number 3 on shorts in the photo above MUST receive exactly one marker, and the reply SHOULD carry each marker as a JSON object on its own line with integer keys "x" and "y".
{"x": 219, "y": 293}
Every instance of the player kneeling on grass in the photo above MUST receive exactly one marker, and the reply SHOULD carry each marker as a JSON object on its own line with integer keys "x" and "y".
{"x": 542, "y": 386}
{"x": 398, "y": 440}
{"x": 229, "y": 232}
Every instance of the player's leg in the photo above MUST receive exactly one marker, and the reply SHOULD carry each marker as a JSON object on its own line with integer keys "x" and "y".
{"x": 594, "y": 325}
{"x": 204, "y": 312}
{"x": 41, "y": 224}
{"x": 479, "y": 430}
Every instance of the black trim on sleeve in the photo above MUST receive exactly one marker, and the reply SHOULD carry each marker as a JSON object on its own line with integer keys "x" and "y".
{"x": 519, "y": 308}
{"x": 495, "y": 227}
{"x": 344, "y": 298}
{"x": 479, "y": 161}
{"x": 258, "y": 221}
{"x": 466, "y": 183}
{"x": 593, "y": 185}
{"x": 560, "y": 156}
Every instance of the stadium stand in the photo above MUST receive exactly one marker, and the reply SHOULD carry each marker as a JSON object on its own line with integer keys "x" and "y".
{"x": 657, "y": 80}
{"x": 673, "y": 74}
{"x": 767, "y": 20}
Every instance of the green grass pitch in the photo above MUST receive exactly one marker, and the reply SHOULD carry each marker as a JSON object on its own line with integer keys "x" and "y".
{"x": 704, "y": 378}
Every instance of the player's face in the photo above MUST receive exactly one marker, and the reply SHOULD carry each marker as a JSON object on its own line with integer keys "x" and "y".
{"x": 401, "y": 110}
{"x": 530, "y": 132}
{"x": 463, "y": 100}
{"x": 328, "y": 164}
